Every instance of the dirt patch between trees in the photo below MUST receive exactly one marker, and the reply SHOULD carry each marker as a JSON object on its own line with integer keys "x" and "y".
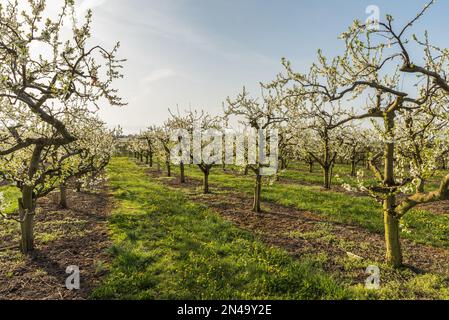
{"x": 303, "y": 233}
{"x": 75, "y": 236}
{"x": 440, "y": 207}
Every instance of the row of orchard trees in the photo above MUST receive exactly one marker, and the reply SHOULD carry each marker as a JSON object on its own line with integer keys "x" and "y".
{"x": 51, "y": 83}
{"x": 360, "y": 106}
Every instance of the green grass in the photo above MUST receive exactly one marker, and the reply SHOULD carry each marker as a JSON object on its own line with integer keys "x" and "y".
{"x": 9, "y": 229}
{"x": 166, "y": 247}
{"x": 419, "y": 226}
{"x": 299, "y": 173}
{"x": 10, "y": 196}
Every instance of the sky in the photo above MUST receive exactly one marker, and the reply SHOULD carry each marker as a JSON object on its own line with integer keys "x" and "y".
{"x": 195, "y": 53}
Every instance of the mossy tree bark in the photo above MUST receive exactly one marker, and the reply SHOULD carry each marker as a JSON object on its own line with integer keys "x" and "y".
{"x": 392, "y": 234}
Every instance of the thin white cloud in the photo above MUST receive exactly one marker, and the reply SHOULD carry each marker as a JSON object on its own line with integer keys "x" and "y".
{"x": 88, "y": 4}
{"x": 147, "y": 83}
{"x": 157, "y": 75}
{"x": 161, "y": 24}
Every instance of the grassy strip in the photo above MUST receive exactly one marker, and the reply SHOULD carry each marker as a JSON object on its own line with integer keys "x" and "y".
{"x": 167, "y": 247}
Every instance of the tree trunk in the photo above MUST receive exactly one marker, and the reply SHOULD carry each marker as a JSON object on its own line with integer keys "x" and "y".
{"x": 182, "y": 169}
{"x": 353, "y": 168}
{"x": 78, "y": 187}
{"x": 63, "y": 196}
{"x": 206, "y": 182}
{"x": 392, "y": 239}
{"x": 331, "y": 175}
{"x": 283, "y": 164}
{"x": 391, "y": 222}
{"x": 151, "y": 160}
{"x": 168, "y": 168}
{"x": 257, "y": 193}
{"x": 327, "y": 180}
{"x": 310, "y": 167}
{"x": 246, "y": 170}
{"x": 141, "y": 157}
{"x": 147, "y": 159}
{"x": 26, "y": 214}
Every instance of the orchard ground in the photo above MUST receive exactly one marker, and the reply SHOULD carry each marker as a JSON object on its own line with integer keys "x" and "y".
{"x": 146, "y": 236}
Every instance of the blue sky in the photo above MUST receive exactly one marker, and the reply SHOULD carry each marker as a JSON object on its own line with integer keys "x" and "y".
{"x": 197, "y": 52}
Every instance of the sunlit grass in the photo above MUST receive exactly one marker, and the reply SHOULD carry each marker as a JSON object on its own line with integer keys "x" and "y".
{"x": 167, "y": 247}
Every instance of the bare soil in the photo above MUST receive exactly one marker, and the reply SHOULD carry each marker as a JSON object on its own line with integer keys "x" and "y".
{"x": 78, "y": 236}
